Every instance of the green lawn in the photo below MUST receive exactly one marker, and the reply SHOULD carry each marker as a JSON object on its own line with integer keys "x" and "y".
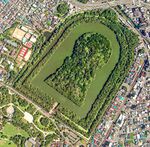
{"x": 65, "y": 49}
{"x": 11, "y": 130}
{"x": 5, "y": 143}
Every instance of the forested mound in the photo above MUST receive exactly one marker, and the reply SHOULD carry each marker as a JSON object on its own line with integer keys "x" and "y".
{"x": 91, "y": 51}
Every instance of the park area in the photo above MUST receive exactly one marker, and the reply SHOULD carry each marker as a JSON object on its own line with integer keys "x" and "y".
{"x": 6, "y": 143}
{"x": 81, "y": 66}
{"x": 9, "y": 131}
{"x": 64, "y": 50}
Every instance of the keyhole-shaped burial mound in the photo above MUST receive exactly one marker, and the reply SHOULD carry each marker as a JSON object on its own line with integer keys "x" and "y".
{"x": 72, "y": 79}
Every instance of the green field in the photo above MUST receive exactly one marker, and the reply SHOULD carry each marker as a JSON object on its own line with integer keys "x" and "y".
{"x": 65, "y": 49}
{"x": 6, "y": 143}
{"x": 11, "y": 130}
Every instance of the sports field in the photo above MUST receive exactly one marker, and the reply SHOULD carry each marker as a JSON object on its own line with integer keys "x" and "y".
{"x": 65, "y": 49}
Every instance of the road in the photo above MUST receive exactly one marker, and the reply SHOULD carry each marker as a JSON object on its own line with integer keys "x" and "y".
{"x": 131, "y": 27}
{"x": 129, "y": 87}
{"x": 27, "y": 99}
{"x": 119, "y": 111}
{"x": 147, "y": 5}
{"x": 99, "y": 4}
{"x": 83, "y": 7}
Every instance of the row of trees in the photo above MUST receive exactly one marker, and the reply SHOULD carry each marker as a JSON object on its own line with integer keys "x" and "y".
{"x": 127, "y": 41}
{"x": 42, "y": 54}
{"x": 38, "y": 96}
{"x": 43, "y": 51}
{"x": 122, "y": 68}
{"x": 17, "y": 120}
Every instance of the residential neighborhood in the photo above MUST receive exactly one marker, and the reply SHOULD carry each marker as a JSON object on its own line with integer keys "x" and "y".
{"x": 54, "y": 92}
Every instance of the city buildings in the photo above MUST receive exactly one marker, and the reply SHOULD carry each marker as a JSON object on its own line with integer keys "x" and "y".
{"x": 126, "y": 121}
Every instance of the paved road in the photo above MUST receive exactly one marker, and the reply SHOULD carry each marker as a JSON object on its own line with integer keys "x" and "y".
{"x": 131, "y": 26}
{"x": 27, "y": 99}
{"x": 147, "y": 5}
{"x": 129, "y": 87}
{"x": 99, "y": 4}
{"x": 83, "y": 7}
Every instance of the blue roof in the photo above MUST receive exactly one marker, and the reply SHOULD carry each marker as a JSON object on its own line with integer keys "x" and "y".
{"x": 5, "y": 1}
{"x": 121, "y": 98}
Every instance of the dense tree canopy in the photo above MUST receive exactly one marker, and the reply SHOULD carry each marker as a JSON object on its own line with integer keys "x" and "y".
{"x": 18, "y": 140}
{"x": 91, "y": 51}
{"x": 63, "y": 8}
{"x": 44, "y": 121}
{"x": 127, "y": 41}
